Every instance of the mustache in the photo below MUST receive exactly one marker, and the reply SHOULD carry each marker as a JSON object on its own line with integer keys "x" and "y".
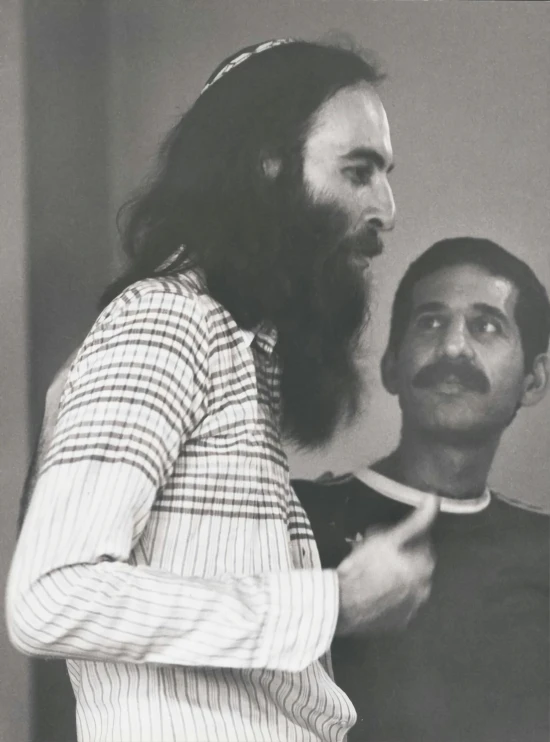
{"x": 463, "y": 371}
{"x": 366, "y": 243}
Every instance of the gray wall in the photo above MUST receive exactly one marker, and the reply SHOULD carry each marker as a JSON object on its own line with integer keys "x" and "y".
{"x": 467, "y": 98}
{"x": 88, "y": 89}
{"x": 56, "y": 258}
{"x": 14, "y": 670}
{"x": 70, "y": 255}
{"x": 70, "y": 252}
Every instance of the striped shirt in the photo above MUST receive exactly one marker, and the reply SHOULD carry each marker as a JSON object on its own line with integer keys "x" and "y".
{"x": 164, "y": 553}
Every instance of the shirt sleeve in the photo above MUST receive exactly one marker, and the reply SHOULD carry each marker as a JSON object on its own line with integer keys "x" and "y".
{"x": 51, "y": 407}
{"x": 134, "y": 395}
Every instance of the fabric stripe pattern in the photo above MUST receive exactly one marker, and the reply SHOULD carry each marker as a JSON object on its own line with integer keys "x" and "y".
{"x": 164, "y": 553}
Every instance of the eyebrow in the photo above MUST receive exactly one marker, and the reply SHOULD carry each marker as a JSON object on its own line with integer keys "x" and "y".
{"x": 368, "y": 153}
{"x": 492, "y": 311}
{"x": 429, "y": 306}
{"x": 437, "y": 306}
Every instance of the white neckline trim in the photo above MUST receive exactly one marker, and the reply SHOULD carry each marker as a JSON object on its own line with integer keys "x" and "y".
{"x": 411, "y": 496}
{"x": 248, "y": 336}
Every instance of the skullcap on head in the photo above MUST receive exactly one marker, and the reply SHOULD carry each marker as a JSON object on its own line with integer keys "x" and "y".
{"x": 241, "y": 56}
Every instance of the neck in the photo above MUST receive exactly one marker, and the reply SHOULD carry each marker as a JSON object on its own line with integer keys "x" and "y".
{"x": 451, "y": 470}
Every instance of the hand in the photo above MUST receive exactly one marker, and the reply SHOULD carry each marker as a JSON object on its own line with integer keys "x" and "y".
{"x": 387, "y": 576}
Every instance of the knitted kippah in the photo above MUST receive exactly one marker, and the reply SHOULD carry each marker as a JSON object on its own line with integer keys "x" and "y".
{"x": 240, "y": 57}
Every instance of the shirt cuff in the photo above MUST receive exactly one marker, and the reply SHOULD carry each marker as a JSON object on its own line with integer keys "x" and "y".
{"x": 301, "y": 618}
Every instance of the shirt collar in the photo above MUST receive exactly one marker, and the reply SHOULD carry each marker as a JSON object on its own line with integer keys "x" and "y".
{"x": 248, "y": 337}
{"x": 265, "y": 336}
{"x": 411, "y": 496}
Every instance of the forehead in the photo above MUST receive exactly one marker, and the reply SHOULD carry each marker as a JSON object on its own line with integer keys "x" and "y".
{"x": 463, "y": 286}
{"x": 353, "y": 118}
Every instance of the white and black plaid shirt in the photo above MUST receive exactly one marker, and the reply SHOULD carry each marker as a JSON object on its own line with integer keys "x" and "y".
{"x": 164, "y": 552}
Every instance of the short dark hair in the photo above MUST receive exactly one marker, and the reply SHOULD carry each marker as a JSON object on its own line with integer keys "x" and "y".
{"x": 209, "y": 192}
{"x": 532, "y": 310}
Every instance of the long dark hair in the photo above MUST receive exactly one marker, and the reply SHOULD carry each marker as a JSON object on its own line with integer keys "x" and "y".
{"x": 261, "y": 248}
{"x": 209, "y": 193}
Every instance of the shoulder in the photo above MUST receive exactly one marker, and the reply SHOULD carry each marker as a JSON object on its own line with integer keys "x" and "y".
{"x": 176, "y": 308}
{"x": 155, "y": 326}
{"x": 520, "y": 508}
{"x": 321, "y": 494}
{"x": 525, "y": 529}
{"x": 166, "y": 294}
{"x": 524, "y": 533}
{"x": 330, "y": 491}
{"x": 329, "y": 479}
{"x": 325, "y": 483}
{"x": 178, "y": 299}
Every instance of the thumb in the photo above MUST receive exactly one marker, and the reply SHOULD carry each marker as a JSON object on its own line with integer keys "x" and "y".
{"x": 418, "y": 522}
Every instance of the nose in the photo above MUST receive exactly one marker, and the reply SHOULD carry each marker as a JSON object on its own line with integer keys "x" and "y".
{"x": 456, "y": 341}
{"x": 383, "y": 213}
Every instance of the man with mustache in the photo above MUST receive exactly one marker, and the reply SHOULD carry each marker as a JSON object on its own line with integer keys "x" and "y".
{"x": 164, "y": 553}
{"x": 467, "y": 349}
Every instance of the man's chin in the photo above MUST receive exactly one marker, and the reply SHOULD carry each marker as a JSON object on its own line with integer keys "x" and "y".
{"x": 458, "y": 431}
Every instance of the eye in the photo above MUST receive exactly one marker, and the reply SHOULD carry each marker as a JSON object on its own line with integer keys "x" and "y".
{"x": 486, "y": 326}
{"x": 428, "y": 322}
{"x": 359, "y": 175}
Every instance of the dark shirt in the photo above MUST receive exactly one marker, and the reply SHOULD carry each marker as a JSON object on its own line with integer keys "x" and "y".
{"x": 474, "y": 664}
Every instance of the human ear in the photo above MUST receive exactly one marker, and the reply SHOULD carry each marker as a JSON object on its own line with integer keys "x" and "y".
{"x": 271, "y": 166}
{"x": 388, "y": 371}
{"x": 536, "y": 381}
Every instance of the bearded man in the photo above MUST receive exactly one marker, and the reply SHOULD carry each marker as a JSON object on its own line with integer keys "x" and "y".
{"x": 164, "y": 553}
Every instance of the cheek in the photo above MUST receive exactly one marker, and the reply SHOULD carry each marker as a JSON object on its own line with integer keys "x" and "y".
{"x": 320, "y": 179}
{"x": 326, "y": 187}
{"x": 411, "y": 359}
{"x": 505, "y": 372}
{"x": 347, "y": 205}
{"x": 508, "y": 388}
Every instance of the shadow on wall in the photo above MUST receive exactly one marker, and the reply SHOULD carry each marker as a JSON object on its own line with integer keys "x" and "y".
{"x": 69, "y": 249}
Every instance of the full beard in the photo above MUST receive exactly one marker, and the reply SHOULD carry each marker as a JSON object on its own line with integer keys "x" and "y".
{"x": 292, "y": 264}
{"x": 321, "y": 323}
